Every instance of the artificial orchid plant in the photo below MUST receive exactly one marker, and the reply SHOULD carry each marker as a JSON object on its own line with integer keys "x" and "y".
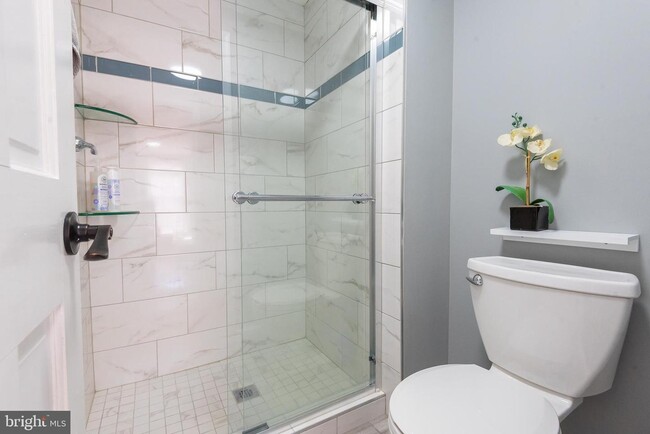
{"x": 534, "y": 148}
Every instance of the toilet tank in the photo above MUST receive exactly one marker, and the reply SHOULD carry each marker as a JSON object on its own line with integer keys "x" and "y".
{"x": 558, "y": 326}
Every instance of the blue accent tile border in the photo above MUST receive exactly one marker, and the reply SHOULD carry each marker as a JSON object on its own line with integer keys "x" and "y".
{"x": 157, "y": 75}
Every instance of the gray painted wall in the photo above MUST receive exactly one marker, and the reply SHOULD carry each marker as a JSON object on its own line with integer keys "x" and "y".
{"x": 427, "y": 155}
{"x": 581, "y": 70}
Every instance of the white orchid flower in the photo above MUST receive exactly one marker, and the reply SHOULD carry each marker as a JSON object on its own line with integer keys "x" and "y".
{"x": 531, "y": 132}
{"x": 539, "y": 146}
{"x": 552, "y": 159}
{"x": 515, "y": 137}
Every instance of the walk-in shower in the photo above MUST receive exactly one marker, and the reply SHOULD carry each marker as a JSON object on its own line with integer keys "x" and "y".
{"x": 239, "y": 294}
{"x": 306, "y": 233}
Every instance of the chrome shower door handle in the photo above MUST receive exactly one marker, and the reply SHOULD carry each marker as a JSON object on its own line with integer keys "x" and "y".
{"x": 477, "y": 280}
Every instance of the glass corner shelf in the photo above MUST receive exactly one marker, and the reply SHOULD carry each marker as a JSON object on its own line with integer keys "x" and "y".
{"x": 101, "y": 114}
{"x": 106, "y": 213}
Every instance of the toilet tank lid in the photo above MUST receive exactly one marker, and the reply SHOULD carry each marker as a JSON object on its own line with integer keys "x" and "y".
{"x": 558, "y": 276}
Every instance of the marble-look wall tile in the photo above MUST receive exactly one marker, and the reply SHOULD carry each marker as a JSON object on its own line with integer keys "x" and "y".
{"x": 391, "y": 187}
{"x": 234, "y": 305}
{"x": 390, "y": 378}
{"x": 104, "y": 136}
{"x": 231, "y": 115}
{"x": 234, "y": 268}
{"x": 338, "y": 14}
{"x": 343, "y": 48}
{"x": 214, "y": 7}
{"x": 312, "y": 7}
{"x": 206, "y": 310}
{"x": 315, "y": 32}
{"x": 165, "y": 149}
{"x": 284, "y": 185}
{"x": 133, "y": 235}
{"x": 260, "y": 31}
{"x": 391, "y": 336}
{"x": 284, "y": 297}
{"x": 350, "y": 357}
{"x": 272, "y": 121}
{"x": 177, "y": 107}
{"x": 250, "y": 66}
{"x": 391, "y": 291}
{"x": 339, "y": 312}
{"x": 296, "y": 262}
{"x": 152, "y": 190}
{"x": 228, "y": 22}
{"x": 392, "y": 90}
{"x": 391, "y": 239}
{"x": 354, "y": 234}
{"x": 268, "y": 229}
{"x": 205, "y": 192}
{"x": 348, "y": 275}
{"x": 229, "y": 60}
{"x": 106, "y": 5}
{"x": 253, "y": 299}
{"x": 162, "y": 276}
{"x": 233, "y": 230}
{"x": 262, "y": 157}
{"x": 234, "y": 341}
{"x": 284, "y": 75}
{"x": 391, "y": 137}
{"x": 124, "y": 95}
{"x": 284, "y": 9}
{"x": 294, "y": 43}
{"x": 269, "y": 332}
{"x": 106, "y": 282}
{"x": 355, "y": 99}
{"x": 263, "y": 265}
{"x": 316, "y": 265}
{"x": 324, "y": 230}
{"x": 296, "y": 159}
{"x": 189, "y": 15}
{"x": 346, "y": 148}
{"x": 324, "y": 116}
{"x": 219, "y": 153}
{"x": 221, "y": 270}
{"x": 125, "y": 324}
{"x": 131, "y": 40}
{"x": 195, "y": 349}
{"x": 125, "y": 365}
{"x": 190, "y": 232}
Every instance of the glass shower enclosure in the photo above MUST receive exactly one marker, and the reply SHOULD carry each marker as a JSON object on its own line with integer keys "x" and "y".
{"x": 304, "y": 201}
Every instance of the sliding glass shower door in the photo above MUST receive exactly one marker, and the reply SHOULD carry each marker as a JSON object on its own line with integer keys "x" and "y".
{"x": 304, "y": 201}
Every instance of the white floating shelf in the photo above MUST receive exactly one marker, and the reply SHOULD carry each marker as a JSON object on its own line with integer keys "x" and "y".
{"x": 593, "y": 240}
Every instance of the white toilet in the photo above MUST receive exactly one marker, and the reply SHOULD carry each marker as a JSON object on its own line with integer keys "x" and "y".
{"x": 554, "y": 334}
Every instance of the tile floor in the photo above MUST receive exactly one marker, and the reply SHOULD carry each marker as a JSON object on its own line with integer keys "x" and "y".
{"x": 199, "y": 400}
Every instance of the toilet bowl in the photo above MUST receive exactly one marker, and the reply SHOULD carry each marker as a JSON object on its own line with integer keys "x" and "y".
{"x": 554, "y": 334}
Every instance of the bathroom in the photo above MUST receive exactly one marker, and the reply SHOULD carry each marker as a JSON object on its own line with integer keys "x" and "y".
{"x": 302, "y": 184}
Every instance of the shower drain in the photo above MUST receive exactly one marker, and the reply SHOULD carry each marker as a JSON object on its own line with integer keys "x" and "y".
{"x": 245, "y": 393}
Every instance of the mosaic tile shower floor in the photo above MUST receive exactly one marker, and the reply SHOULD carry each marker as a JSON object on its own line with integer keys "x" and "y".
{"x": 199, "y": 400}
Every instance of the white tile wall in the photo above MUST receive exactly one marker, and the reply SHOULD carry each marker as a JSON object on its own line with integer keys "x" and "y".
{"x": 165, "y": 149}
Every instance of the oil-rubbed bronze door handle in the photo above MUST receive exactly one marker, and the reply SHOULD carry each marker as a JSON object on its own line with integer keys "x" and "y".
{"x": 75, "y": 233}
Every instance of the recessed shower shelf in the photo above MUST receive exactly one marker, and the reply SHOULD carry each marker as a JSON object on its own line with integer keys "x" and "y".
{"x": 593, "y": 240}
{"x": 106, "y": 213}
{"x": 101, "y": 114}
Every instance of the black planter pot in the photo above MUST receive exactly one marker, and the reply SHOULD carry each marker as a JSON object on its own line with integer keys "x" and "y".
{"x": 529, "y": 218}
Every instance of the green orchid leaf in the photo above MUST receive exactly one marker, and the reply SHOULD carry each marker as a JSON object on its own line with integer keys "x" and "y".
{"x": 519, "y": 192}
{"x": 551, "y": 211}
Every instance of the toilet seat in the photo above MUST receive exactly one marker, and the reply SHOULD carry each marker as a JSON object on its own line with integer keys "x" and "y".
{"x": 467, "y": 399}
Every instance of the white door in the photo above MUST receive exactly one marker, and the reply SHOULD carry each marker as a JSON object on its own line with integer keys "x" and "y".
{"x": 40, "y": 326}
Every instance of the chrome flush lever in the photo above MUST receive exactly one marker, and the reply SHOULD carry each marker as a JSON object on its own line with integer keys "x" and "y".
{"x": 476, "y": 280}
